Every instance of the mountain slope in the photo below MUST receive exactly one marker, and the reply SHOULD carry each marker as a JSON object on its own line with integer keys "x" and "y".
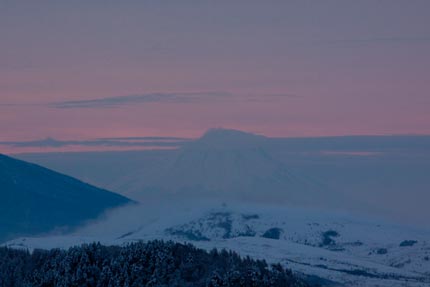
{"x": 34, "y": 199}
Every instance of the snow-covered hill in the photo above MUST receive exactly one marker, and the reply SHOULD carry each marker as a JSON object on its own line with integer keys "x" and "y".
{"x": 333, "y": 246}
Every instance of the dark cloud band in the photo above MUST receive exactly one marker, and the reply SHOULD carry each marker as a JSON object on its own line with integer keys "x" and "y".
{"x": 111, "y": 102}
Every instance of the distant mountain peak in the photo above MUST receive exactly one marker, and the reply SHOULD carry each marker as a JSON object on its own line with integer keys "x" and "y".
{"x": 228, "y": 138}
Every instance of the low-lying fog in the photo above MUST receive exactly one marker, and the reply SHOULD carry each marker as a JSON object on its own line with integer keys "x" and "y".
{"x": 384, "y": 176}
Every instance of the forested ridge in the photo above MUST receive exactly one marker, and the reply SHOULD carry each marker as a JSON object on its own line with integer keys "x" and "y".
{"x": 154, "y": 263}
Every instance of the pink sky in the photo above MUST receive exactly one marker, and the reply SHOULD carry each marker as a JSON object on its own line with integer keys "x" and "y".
{"x": 289, "y": 69}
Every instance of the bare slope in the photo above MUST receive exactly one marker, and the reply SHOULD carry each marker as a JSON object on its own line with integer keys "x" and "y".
{"x": 34, "y": 199}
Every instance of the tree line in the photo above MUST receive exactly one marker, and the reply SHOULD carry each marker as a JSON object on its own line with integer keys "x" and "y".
{"x": 155, "y": 263}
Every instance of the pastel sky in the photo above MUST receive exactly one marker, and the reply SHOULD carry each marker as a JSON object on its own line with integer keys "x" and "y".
{"x": 93, "y": 69}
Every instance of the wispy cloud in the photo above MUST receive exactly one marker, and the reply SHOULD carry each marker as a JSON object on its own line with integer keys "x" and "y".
{"x": 111, "y": 102}
{"x": 146, "y": 139}
{"x": 180, "y": 98}
{"x": 384, "y": 40}
{"x": 110, "y": 142}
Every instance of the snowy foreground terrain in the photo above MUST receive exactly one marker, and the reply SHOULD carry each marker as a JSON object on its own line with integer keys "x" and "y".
{"x": 373, "y": 176}
{"x": 338, "y": 248}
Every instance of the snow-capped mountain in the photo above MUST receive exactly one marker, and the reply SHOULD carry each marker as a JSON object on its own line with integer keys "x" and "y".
{"x": 224, "y": 164}
{"x": 333, "y": 247}
{"x": 34, "y": 199}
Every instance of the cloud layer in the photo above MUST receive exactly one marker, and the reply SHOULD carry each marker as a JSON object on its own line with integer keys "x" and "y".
{"x": 155, "y": 142}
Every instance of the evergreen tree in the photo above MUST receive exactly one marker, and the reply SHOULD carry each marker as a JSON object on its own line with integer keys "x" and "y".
{"x": 155, "y": 263}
